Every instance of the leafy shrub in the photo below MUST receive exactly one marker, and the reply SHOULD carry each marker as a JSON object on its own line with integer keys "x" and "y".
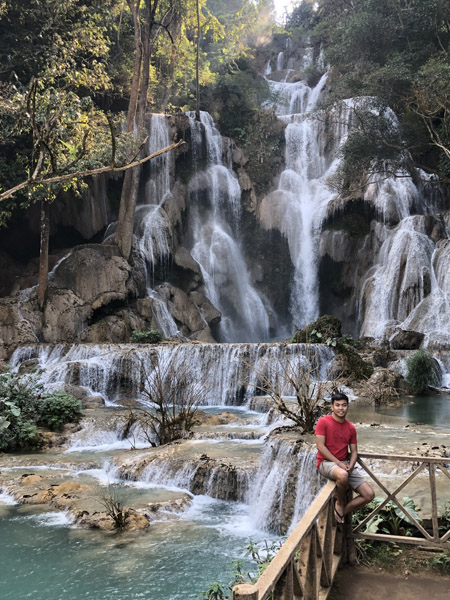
{"x": 23, "y": 406}
{"x": 18, "y": 411}
{"x": 153, "y": 336}
{"x": 421, "y": 371}
{"x": 59, "y": 408}
{"x": 391, "y": 519}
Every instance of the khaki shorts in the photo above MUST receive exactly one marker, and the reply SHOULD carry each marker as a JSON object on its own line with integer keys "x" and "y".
{"x": 355, "y": 477}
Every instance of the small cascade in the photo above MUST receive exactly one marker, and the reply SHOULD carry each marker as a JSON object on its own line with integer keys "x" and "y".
{"x": 283, "y": 487}
{"x": 224, "y": 374}
{"x": 151, "y": 223}
{"x": 215, "y": 208}
{"x": 280, "y": 61}
{"x": 401, "y": 279}
{"x": 201, "y": 476}
{"x": 152, "y": 226}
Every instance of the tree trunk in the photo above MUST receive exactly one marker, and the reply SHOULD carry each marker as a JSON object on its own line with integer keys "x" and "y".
{"x": 197, "y": 66}
{"x": 135, "y": 119}
{"x": 43, "y": 254}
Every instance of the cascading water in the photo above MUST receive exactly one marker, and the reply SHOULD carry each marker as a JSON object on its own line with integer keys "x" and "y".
{"x": 228, "y": 374}
{"x": 152, "y": 226}
{"x": 215, "y": 196}
{"x": 297, "y": 208}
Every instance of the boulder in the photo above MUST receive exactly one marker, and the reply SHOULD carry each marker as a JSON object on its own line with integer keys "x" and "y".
{"x": 97, "y": 274}
{"x": 20, "y": 323}
{"x": 403, "y": 339}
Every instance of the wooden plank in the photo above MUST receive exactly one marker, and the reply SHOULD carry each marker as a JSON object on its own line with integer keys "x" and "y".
{"x": 402, "y": 457}
{"x": 434, "y": 513}
{"x": 245, "y": 591}
{"x": 401, "y": 539}
{"x": 287, "y": 551}
{"x": 446, "y": 536}
{"x": 444, "y": 470}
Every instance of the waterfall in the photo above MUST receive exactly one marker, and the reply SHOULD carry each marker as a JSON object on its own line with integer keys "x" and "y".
{"x": 215, "y": 209}
{"x": 227, "y": 374}
{"x": 298, "y": 207}
{"x": 283, "y": 487}
{"x": 152, "y": 226}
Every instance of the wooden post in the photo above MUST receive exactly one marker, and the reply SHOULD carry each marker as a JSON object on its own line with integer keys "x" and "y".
{"x": 434, "y": 515}
{"x": 245, "y": 591}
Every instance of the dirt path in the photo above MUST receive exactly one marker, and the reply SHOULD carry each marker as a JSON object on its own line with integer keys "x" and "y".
{"x": 359, "y": 582}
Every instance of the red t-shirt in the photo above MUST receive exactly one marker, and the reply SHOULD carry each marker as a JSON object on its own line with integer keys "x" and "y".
{"x": 338, "y": 436}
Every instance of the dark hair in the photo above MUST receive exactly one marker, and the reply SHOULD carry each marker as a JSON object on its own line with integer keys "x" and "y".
{"x": 338, "y": 396}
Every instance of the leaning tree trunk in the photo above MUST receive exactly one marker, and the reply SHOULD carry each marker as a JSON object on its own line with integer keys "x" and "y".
{"x": 43, "y": 254}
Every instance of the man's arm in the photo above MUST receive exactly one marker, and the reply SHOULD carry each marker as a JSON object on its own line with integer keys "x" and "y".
{"x": 353, "y": 455}
{"x": 320, "y": 442}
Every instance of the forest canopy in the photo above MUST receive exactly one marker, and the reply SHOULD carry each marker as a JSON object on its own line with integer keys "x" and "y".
{"x": 67, "y": 77}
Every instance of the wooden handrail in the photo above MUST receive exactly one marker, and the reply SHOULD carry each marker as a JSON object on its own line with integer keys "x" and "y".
{"x": 423, "y": 462}
{"x": 305, "y": 565}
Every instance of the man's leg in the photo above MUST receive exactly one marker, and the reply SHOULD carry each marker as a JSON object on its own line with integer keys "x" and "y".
{"x": 341, "y": 478}
{"x": 366, "y": 495}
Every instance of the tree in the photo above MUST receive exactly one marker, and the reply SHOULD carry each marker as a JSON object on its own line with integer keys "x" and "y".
{"x": 149, "y": 18}
{"x": 173, "y": 399}
{"x": 298, "y": 376}
{"x": 396, "y": 51}
{"x": 53, "y": 134}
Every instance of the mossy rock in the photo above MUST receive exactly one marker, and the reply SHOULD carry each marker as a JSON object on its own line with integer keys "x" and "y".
{"x": 327, "y": 325}
{"x": 350, "y": 365}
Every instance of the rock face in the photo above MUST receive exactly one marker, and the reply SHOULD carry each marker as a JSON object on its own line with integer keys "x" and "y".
{"x": 406, "y": 340}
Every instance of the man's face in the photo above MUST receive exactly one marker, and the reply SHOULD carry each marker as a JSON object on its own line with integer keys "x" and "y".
{"x": 340, "y": 408}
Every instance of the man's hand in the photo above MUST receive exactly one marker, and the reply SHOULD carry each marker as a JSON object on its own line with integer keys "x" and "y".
{"x": 344, "y": 465}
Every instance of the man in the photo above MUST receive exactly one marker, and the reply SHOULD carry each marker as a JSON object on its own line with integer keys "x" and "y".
{"x": 334, "y": 437}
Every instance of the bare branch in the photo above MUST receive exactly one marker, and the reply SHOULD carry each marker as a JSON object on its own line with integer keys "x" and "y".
{"x": 86, "y": 173}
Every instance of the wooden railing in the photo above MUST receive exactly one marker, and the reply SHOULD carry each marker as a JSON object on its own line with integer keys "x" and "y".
{"x": 421, "y": 464}
{"x": 305, "y": 565}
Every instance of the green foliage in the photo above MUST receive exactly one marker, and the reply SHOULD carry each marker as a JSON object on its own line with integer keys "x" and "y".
{"x": 324, "y": 328}
{"x": 442, "y": 563}
{"x": 57, "y": 409}
{"x": 391, "y": 519}
{"x": 215, "y": 591}
{"x": 396, "y": 51}
{"x": 23, "y": 406}
{"x": 153, "y": 336}
{"x": 236, "y": 98}
{"x": 420, "y": 371}
{"x": 261, "y": 557}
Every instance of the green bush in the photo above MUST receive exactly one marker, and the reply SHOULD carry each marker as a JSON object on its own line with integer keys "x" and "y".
{"x": 421, "y": 371}
{"x": 59, "y": 408}
{"x": 24, "y": 406}
{"x": 153, "y": 336}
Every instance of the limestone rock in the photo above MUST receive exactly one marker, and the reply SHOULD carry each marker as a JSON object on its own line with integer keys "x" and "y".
{"x": 97, "y": 274}
{"x": 406, "y": 340}
{"x": 209, "y": 312}
{"x": 20, "y": 323}
{"x": 114, "y": 328}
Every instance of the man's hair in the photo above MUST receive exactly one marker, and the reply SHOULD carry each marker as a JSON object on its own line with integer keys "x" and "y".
{"x": 338, "y": 396}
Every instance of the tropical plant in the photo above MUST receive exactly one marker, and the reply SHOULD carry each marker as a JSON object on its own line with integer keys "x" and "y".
{"x": 24, "y": 406}
{"x": 390, "y": 519}
{"x": 57, "y": 409}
